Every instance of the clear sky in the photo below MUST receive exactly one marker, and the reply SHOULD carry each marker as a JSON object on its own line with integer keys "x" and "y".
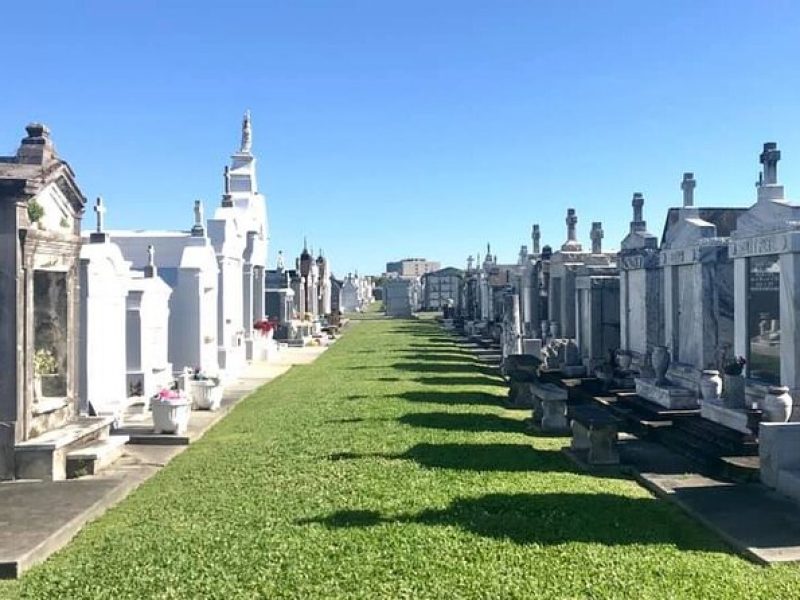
{"x": 399, "y": 128}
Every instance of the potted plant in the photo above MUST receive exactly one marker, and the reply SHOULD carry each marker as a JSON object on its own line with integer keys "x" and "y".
{"x": 44, "y": 363}
{"x": 733, "y": 382}
{"x": 170, "y": 411}
{"x": 205, "y": 390}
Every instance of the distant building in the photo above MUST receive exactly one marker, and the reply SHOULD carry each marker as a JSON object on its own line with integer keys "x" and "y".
{"x": 441, "y": 288}
{"x": 412, "y": 267}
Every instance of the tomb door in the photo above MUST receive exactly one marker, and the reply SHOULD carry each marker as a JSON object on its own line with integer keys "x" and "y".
{"x": 763, "y": 318}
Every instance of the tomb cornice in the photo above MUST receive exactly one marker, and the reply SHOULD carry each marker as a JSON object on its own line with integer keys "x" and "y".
{"x": 787, "y": 241}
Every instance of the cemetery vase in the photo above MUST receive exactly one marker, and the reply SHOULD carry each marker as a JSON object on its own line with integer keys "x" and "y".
{"x": 777, "y": 404}
{"x": 554, "y": 329}
{"x": 545, "y": 329}
{"x": 710, "y": 385}
{"x": 624, "y": 360}
{"x": 660, "y": 360}
{"x": 733, "y": 387}
{"x": 206, "y": 395}
{"x": 170, "y": 416}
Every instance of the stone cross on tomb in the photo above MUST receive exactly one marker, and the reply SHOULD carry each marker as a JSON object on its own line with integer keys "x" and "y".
{"x": 597, "y": 237}
{"x": 572, "y": 221}
{"x": 470, "y": 261}
{"x": 769, "y": 158}
{"x": 198, "y": 228}
{"x": 687, "y": 185}
{"x": 99, "y": 210}
{"x": 536, "y": 237}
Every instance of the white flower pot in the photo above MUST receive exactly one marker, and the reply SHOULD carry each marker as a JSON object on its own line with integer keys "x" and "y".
{"x": 777, "y": 404}
{"x": 206, "y": 395}
{"x": 710, "y": 385}
{"x": 170, "y": 416}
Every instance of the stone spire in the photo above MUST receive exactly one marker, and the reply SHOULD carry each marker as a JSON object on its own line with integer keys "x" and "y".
{"x": 536, "y": 237}
{"x": 597, "y": 237}
{"x": 638, "y": 223}
{"x": 768, "y": 187}
{"x": 198, "y": 229}
{"x": 247, "y": 134}
{"x": 687, "y": 185}
{"x": 572, "y": 244}
{"x": 99, "y": 235}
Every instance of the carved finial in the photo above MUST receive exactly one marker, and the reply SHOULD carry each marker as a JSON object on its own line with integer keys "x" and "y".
{"x": 687, "y": 185}
{"x": 279, "y": 263}
{"x": 597, "y": 237}
{"x": 247, "y": 133}
{"x": 99, "y": 210}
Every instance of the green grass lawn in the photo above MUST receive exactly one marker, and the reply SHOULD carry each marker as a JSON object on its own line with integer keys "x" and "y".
{"x": 388, "y": 469}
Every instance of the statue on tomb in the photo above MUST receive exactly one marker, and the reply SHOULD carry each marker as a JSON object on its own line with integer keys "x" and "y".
{"x": 247, "y": 133}
{"x": 597, "y": 237}
{"x": 687, "y": 185}
{"x": 151, "y": 253}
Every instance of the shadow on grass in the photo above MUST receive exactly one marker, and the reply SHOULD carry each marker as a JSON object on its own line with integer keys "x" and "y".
{"x": 460, "y": 380}
{"x": 507, "y": 458}
{"x": 439, "y": 357}
{"x": 462, "y": 422}
{"x": 422, "y": 367}
{"x": 452, "y": 398}
{"x": 549, "y": 519}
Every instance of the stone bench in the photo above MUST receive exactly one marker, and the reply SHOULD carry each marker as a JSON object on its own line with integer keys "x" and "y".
{"x": 550, "y": 407}
{"x": 594, "y": 432}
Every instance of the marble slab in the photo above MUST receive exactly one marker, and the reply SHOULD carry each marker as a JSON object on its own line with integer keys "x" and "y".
{"x": 733, "y": 418}
{"x": 668, "y": 396}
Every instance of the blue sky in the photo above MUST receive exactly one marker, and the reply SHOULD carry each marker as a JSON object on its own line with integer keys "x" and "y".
{"x": 387, "y": 129}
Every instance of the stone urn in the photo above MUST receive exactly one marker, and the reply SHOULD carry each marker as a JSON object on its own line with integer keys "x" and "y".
{"x": 624, "y": 360}
{"x": 170, "y": 415}
{"x": 777, "y": 404}
{"x": 734, "y": 388}
{"x": 554, "y": 329}
{"x": 545, "y": 328}
{"x": 710, "y": 385}
{"x": 205, "y": 394}
{"x": 660, "y": 360}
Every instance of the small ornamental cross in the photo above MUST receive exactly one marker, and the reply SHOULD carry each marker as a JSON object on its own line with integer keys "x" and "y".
{"x": 99, "y": 210}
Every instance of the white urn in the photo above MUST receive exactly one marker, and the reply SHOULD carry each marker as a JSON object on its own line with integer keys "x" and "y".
{"x": 777, "y": 404}
{"x": 710, "y": 384}
{"x": 171, "y": 416}
{"x": 660, "y": 361}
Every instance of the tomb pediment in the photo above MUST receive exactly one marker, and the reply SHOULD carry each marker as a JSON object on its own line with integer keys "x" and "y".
{"x": 767, "y": 216}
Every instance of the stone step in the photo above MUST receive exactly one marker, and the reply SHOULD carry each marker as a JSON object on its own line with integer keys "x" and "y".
{"x": 44, "y": 457}
{"x": 92, "y": 458}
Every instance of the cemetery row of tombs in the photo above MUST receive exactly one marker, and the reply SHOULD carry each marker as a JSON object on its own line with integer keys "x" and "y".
{"x": 692, "y": 339}
{"x": 103, "y": 330}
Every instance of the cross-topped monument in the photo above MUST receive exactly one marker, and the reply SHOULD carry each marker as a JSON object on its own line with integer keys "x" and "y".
{"x": 198, "y": 230}
{"x": 768, "y": 188}
{"x": 638, "y": 223}
{"x": 597, "y": 237}
{"x": 227, "y": 199}
{"x": 99, "y": 236}
{"x": 687, "y": 185}
{"x": 572, "y": 244}
{"x": 536, "y": 236}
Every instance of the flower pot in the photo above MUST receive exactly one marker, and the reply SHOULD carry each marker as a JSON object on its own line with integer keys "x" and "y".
{"x": 624, "y": 360}
{"x": 734, "y": 389}
{"x": 777, "y": 404}
{"x": 170, "y": 416}
{"x": 205, "y": 395}
{"x": 545, "y": 327}
{"x": 660, "y": 361}
{"x": 554, "y": 329}
{"x": 710, "y": 385}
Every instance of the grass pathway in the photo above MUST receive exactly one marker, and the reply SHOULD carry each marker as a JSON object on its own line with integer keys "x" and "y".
{"x": 388, "y": 469}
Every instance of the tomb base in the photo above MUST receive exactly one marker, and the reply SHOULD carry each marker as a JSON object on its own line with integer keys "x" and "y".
{"x": 574, "y": 370}
{"x": 668, "y": 396}
{"x": 732, "y": 418}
